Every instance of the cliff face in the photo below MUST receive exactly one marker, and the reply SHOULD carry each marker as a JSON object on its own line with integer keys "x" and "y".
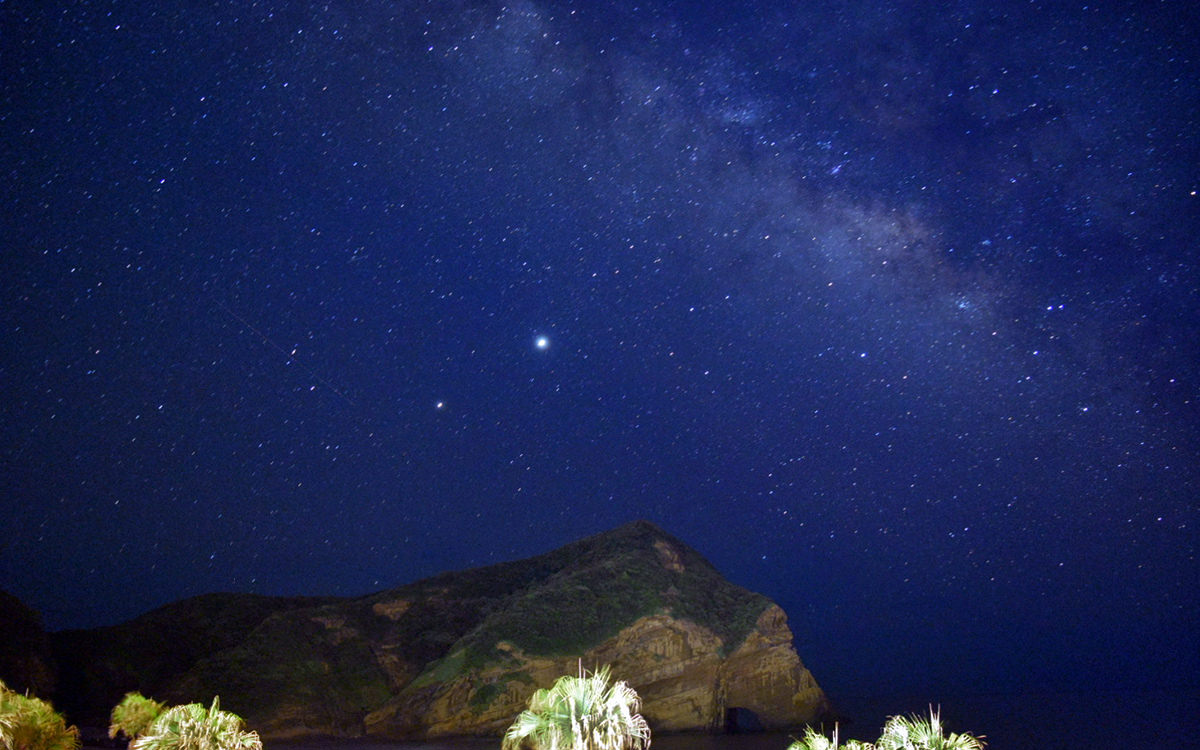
{"x": 460, "y": 653}
{"x": 677, "y": 667}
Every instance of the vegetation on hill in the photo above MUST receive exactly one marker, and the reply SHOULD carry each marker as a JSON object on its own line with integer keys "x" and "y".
{"x": 605, "y": 583}
{"x": 316, "y": 660}
{"x": 150, "y": 652}
{"x": 332, "y": 661}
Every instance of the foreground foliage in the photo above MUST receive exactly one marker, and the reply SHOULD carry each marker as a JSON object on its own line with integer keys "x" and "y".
{"x": 917, "y": 733}
{"x": 194, "y": 727}
{"x": 134, "y": 715}
{"x": 27, "y": 723}
{"x": 899, "y": 733}
{"x": 814, "y": 740}
{"x": 581, "y": 713}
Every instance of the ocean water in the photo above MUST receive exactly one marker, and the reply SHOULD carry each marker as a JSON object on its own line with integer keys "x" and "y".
{"x": 1145, "y": 720}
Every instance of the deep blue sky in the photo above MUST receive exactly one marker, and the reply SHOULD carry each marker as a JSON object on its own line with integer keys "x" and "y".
{"x": 890, "y": 310}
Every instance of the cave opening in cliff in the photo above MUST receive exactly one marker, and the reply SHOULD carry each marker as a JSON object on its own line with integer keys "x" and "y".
{"x": 739, "y": 720}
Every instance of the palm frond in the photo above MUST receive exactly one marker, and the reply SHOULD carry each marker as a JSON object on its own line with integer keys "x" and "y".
{"x": 28, "y": 723}
{"x": 193, "y": 727}
{"x": 814, "y": 740}
{"x": 920, "y": 733}
{"x": 581, "y": 713}
{"x": 134, "y": 715}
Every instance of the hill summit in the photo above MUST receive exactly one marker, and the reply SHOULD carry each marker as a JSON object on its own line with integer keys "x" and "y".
{"x": 459, "y": 653}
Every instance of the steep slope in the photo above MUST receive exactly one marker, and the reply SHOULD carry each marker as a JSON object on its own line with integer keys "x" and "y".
{"x": 26, "y": 662}
{"x": 99, "y": 665}
{"x": 459, "y": 653}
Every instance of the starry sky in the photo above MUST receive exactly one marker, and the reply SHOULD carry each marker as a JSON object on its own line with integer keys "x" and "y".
{"x": 890, "y": 309}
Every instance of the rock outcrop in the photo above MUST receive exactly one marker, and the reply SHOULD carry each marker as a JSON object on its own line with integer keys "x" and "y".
{"x": 677, "y": 667}
{"x": 460, "y": 653}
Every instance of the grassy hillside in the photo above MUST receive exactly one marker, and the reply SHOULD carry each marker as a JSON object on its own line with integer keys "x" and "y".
{"x": 147, "y": 653}
{"x": 577, "y": 596}
{"x": 324, "y": 663}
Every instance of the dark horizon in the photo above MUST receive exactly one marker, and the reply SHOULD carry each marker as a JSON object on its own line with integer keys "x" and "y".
{"x": 891, "y": 312}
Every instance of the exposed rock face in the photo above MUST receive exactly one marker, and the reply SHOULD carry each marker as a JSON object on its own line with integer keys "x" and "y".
{"x": 676, "y": 666}
{"x": 765, "y": 675}
{"x": 460, "y": 653}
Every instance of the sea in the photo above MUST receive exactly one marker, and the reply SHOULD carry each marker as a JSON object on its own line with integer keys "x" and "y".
{"x": 1146, "y": 720}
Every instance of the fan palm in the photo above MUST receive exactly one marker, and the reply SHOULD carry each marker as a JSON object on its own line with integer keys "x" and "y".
{"x": 814, "y": 740}
{"x": 134, "y": 715}
{"x": 918, "y": 733}
{"x": 27, "y": 723}
{"x": 194, "y": 727}
{"x": 581, "y": 713}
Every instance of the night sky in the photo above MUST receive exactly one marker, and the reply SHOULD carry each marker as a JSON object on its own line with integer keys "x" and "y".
{"x": 891, "y": 310}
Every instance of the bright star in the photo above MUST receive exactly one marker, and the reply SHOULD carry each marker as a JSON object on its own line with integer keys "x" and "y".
{"x": 542, "y": 342}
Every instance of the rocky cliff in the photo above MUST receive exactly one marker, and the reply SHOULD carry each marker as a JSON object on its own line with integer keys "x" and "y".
{"x": 460, "y": 653}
